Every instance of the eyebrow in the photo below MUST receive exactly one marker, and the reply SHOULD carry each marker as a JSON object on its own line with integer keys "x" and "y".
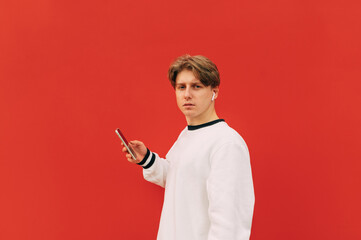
{"x": 193, "y": 82}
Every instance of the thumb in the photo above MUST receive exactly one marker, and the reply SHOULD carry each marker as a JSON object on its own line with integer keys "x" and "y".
{"x": 135, "y": 143}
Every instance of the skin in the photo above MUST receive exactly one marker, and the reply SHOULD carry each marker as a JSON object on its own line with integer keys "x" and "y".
{"x": 193, "y": 99}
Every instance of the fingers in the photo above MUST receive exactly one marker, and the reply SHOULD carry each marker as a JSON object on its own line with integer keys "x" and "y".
{"x": 128, "y": 155}
{"x": 130, "y": 159}
{"x": 124, "y": 149}
{"x": 138, "y": 149}
{"x": 135, "y": 143}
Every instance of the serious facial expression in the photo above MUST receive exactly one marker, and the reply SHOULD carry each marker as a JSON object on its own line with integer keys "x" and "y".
{"x": 193, "y": 98}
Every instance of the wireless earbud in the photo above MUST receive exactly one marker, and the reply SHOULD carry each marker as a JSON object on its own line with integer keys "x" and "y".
{"x": 214, "y": 94}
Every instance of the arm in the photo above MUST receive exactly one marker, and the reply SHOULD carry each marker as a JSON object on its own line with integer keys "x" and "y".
{"x": 230, "y": 193}
{"x": 154, "y": 168}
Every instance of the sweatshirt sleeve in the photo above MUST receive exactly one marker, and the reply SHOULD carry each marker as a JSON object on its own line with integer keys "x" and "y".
{"x": 154, "y": 168}
{"x": 230, "y": 193}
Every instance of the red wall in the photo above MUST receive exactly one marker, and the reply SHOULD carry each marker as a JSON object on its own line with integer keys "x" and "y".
{"x": 73, "y": 71}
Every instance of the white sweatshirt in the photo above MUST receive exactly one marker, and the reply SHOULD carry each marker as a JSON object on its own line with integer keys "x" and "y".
{"x": 208, "y": 185}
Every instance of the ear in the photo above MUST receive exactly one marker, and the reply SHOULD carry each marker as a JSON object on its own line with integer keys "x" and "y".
{"x": 215, "y": 90}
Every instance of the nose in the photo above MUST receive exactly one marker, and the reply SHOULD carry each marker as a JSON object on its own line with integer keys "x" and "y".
{"x": 187, "y": 93}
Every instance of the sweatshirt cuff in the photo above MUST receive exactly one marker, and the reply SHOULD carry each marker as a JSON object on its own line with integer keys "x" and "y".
{"x": 148, "y": 160}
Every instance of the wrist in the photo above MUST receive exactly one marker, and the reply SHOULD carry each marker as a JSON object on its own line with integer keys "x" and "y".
{"x": 148, "y": 160}
{"x": 144, "y": 158}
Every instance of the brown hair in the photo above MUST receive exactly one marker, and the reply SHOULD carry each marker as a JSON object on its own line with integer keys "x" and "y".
{"x": 203, "y": 69}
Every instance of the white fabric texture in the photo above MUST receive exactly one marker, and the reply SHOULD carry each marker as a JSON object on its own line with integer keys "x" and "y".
{"x": 208, "y": 185}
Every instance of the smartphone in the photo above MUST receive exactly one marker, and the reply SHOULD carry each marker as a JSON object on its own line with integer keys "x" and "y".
{"x": 125, "y": 142}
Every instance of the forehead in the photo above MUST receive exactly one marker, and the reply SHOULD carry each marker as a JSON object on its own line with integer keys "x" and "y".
{"x": 186, "y": 76}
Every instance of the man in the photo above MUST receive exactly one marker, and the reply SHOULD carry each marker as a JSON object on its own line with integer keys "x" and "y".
{"x": 206, "y": 174}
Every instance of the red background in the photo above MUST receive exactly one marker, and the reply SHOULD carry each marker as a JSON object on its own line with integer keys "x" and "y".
{"x": 73, "y": 71}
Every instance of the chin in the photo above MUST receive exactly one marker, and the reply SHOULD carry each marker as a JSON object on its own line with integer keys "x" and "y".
{"x": 190, "y": 116}
{"x": 187, "y": 114}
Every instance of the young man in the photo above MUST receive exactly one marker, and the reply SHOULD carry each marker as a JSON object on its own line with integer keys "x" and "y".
{"x": 206, "y": 174}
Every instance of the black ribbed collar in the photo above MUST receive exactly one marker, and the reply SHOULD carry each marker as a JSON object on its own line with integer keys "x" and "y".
{"x": 195, "y": 127}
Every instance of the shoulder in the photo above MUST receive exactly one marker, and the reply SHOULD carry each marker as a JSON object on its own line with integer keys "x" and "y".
{"x": 230, "y": 149}
{"x": 229, "y": 144}
{"x": 182, "y": 133}
{"x": 227, "y": 135}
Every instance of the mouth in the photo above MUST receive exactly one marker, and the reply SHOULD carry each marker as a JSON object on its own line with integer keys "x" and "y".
{"x": 188, "y": 105}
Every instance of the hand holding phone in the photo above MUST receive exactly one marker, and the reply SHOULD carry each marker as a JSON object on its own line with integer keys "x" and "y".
{"x": 125, "y": 142}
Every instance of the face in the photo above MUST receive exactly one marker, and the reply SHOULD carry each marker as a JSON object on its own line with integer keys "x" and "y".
{"x": 193, "y": 98}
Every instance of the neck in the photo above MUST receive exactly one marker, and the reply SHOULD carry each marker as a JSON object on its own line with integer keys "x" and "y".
{"x": 202, "y": 119}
